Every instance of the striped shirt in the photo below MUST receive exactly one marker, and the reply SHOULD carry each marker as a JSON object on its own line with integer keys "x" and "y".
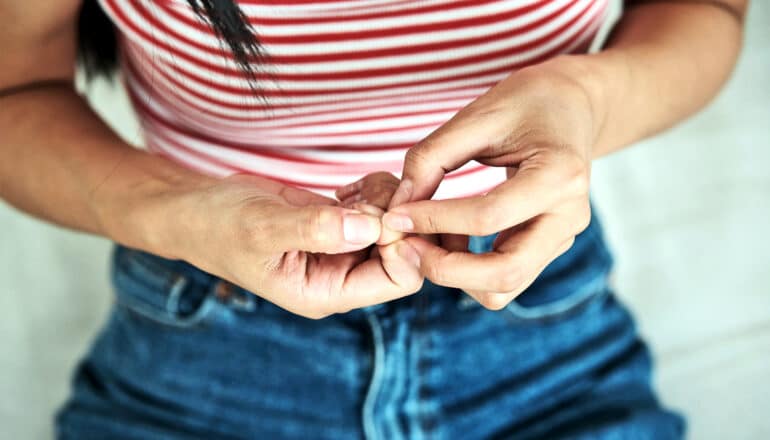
{"x": 348, "y": 85}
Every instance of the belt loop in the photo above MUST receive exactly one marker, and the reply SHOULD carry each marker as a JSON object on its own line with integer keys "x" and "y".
{"x": 175, "y": 295}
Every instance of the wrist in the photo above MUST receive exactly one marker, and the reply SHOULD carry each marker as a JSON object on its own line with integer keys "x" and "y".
{"x": 571, "y": 89}
{"x": 143, "y": 203}
{"x": 589, "y": 76}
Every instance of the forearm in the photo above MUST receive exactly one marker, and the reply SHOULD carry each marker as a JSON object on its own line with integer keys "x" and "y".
{"x": 61, "y": 163}
{"x": 664, "y": 61}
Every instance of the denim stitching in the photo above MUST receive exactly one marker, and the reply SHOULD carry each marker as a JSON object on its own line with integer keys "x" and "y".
{"x": 556, "y": 309}
{"x": 370, "y": 430}
{"x": 174, "y": 295}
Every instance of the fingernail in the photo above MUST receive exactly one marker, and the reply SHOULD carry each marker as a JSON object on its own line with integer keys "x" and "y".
{"x": 403, "y": 193}
{"x": 398, "y": 222}
{"x": 360, "y": 228}
{"x": 408, "y": 253}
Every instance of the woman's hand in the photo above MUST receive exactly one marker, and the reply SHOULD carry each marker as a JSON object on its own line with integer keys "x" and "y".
{"x": 292, "y": 247}
{"x": 540, "y": 125}
{"x": 373, "y": 194}
{"x": 374, "y": 189}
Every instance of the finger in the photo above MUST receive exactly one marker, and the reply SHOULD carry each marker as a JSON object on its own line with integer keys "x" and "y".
{"x": 498, "y": 300}
{"x": 316, "y": 228}
{"x": 386, "y": 237}
{"x": 463, "y": 270}
{"x": 446, "y": 149}
{"x": 402, "y": 194}
{"x": 379, "y": 196}
{"x": 350, "y": 189}
{"x": 378, "y": 188}
{"x": 491, "y": 301}
{"x": 352, "y": 200}
{"x": 375, "y": 281}
{"x": 509, "y": 268}
{"x": 531, "y": 191}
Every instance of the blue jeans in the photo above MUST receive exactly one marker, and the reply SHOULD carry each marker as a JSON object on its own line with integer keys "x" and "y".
{"x": 185, "y": 355}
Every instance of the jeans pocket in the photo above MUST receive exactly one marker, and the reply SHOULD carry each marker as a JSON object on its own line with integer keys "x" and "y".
{"x": 168, "y": 292}
{"x": 568, "y": 285}
{"x": 573, "y": 302}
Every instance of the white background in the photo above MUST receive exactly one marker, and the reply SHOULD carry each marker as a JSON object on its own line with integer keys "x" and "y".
{"x": 687, "y": 214}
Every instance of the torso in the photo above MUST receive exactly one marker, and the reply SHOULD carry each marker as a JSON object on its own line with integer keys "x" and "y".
{"x": 348, "y": 87}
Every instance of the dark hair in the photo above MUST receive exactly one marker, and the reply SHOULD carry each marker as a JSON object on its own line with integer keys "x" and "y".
{"x": 97, "y": 40}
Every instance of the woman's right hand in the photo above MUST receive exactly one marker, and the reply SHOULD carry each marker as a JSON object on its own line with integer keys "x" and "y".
{"x": 293, "y": 247}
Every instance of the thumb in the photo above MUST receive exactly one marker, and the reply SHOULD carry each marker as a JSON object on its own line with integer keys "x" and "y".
{"x": 322, "y": 229}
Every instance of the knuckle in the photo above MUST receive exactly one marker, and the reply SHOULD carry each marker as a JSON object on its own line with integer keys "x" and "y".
{"x": 315, "y": 314}
{"x": 577, "y": 176}
{"x": 317, "y": 309}
{"x": 417, "y": 156}
{"x": 567, "y": 245}
{"x": 417, "y": 285}
{"x": 494, "y": 301}
{"x": 581, "y": 183}
{"x": 584, "y": 218}
{"x": 341, "y": 310}
{"x": 305, "y": 309}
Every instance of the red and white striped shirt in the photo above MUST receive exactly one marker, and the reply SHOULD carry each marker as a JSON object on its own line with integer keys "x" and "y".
{"x": 348, "y": 87}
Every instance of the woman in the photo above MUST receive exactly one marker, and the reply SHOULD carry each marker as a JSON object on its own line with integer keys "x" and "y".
{"x": 229, "y": 241}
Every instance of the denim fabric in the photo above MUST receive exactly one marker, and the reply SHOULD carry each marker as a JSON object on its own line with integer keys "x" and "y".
{"x": 185, "y": 355}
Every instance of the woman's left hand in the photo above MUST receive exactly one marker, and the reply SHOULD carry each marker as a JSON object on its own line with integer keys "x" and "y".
{"x": 540, "y": 124}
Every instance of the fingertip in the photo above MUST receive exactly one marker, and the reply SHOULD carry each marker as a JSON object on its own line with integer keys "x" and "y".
{"x": 346, "y": 191}
{"x": 403, "y": 193}
{"x": 398, "y": 222}
{"x": 402, "y": 264}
